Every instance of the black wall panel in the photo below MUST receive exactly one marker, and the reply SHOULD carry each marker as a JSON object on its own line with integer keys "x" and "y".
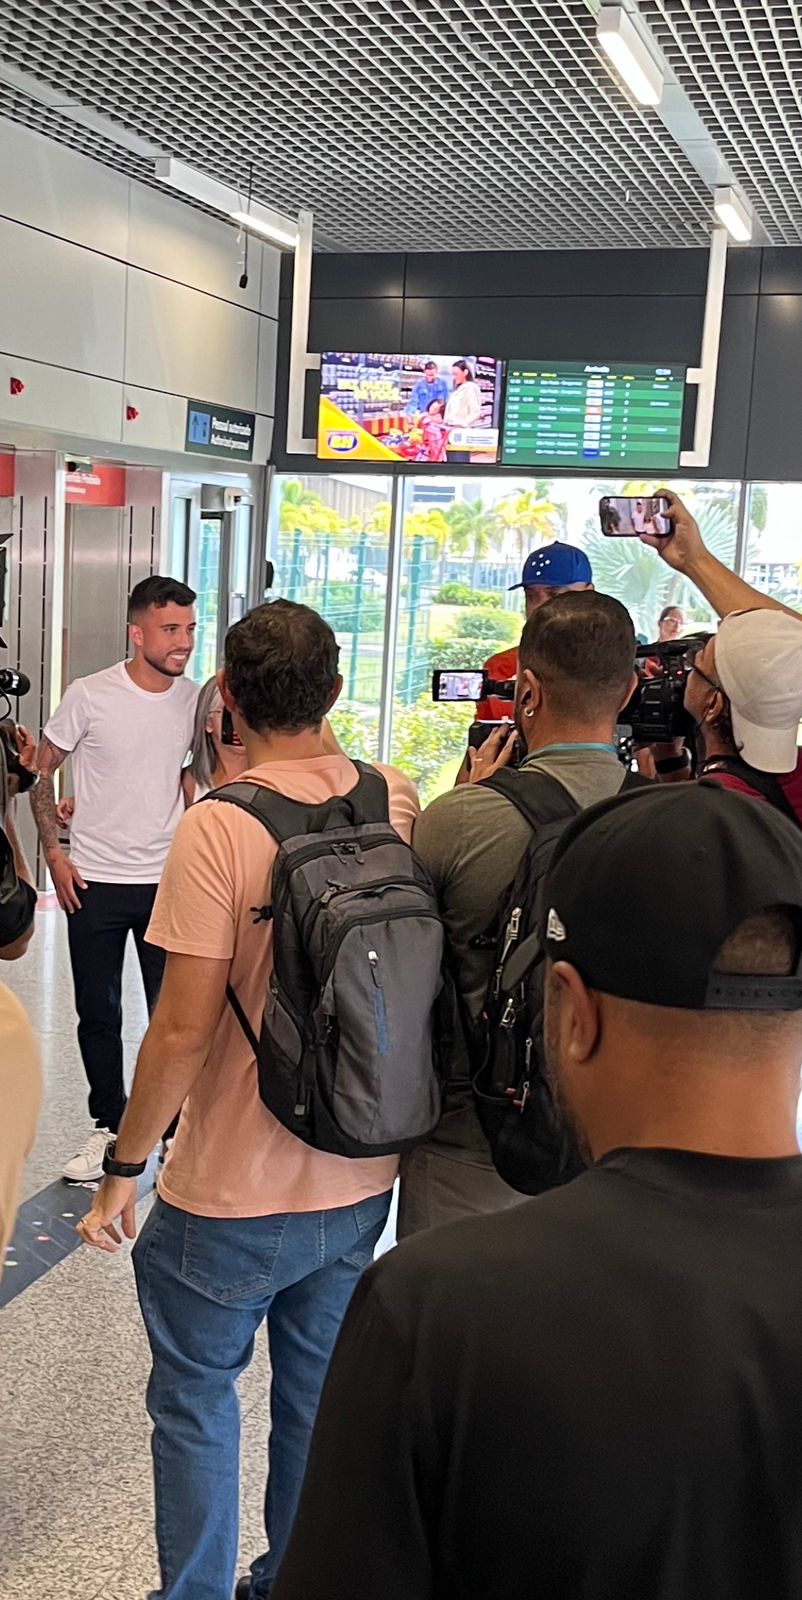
{"x": 781, "y": 272}
{"x": 633, "y": 305}
{"x": 570, "y": 328}
{"x": 731, "y": 415}
{"x": 775, "y": 425}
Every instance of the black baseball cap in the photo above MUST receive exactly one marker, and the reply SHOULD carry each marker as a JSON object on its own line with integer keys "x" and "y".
{"x": 644, "y": 889}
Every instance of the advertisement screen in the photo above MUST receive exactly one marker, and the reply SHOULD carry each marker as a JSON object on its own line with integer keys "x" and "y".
{"x": 602, "y": 415}
{"x": 429, "y": 410}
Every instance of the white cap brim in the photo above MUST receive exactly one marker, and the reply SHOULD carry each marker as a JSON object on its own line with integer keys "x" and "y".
{"x": 768, "y": 749}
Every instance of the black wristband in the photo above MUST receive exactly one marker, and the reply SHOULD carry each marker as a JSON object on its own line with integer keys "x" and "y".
{"x": 121, "y": 1169}
{"x": 672, "y": 763}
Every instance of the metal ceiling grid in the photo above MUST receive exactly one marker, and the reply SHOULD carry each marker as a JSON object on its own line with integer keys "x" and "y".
{"x": 740, "y": 63}
{"x": 403, "y": 124}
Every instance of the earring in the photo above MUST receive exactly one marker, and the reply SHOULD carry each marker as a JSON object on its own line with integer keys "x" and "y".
{"x": 529, "y": 713}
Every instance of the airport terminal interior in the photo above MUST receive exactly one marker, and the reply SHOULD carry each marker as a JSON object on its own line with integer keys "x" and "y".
{"x": 567, "y": 239}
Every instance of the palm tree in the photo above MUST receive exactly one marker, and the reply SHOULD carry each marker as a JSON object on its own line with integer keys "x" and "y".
{"x": 636, "y": 576}
{"x": 475, "y": 527}
{"x": 532, "y": 517}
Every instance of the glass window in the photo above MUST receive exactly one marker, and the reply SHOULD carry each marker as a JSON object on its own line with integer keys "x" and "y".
{"x": 464, "y": 544}
{"x": 329, "y": 538}
{"x": 773, "y": 557}
{"x": 179, "y": 538}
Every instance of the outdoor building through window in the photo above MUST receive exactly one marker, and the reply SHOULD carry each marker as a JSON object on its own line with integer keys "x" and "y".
{"x": 463, "y": 543}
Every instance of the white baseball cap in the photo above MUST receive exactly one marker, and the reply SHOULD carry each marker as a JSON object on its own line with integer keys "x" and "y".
{"x": 759, "y": 667}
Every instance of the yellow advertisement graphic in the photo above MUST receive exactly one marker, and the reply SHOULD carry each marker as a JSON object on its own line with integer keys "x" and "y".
{"x": 340, "y": 438}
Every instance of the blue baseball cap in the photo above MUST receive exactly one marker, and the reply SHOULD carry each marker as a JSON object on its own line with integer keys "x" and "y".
{"x": 555, "y": 566}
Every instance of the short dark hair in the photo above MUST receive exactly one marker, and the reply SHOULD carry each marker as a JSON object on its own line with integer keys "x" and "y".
{"x": 581, "y": 645}
{"x": 430, "y": 363}
{"x": 667, "y": 610}
{"x": 767, "y": 943}
{"x": 282, "y": 664}
{"x": 159, "y": 592}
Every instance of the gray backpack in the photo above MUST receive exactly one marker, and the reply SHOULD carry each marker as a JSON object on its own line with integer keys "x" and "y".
{"x": 346, "y": 1052}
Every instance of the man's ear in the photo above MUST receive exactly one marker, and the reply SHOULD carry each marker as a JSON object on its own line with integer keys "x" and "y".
{"x": 530, "y": 692}
{"x": 716, "y": 708}
{"x": 579, "y": 1014}
{"x": 631, "y": 687}
{"x": 135, "y": 635}
{"x": 335, "y": 693}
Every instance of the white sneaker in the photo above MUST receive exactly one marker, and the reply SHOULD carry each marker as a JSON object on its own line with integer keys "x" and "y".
{"x": 87, "y": 1166}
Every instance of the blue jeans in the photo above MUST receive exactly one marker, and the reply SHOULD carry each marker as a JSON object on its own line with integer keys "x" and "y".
{"x": 205, "y": 1285}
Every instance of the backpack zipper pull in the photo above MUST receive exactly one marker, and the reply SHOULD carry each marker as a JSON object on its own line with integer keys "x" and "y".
{"x": 520, "y": 1104}
{"x": 333, "y": 889}
{"x": 508, "y": 1015}
{"x": 373, "y": 962}
{"x": 510, "y": 938}
{"x": 511, "y": 935}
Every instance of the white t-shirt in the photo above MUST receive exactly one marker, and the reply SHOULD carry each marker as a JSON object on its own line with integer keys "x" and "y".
{"x": 128, "y": 747}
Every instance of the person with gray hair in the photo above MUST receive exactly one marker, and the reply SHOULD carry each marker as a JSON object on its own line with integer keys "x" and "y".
{"x": 212, "y": 763}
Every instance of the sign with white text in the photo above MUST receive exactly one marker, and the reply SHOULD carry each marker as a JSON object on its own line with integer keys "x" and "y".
{"x": 219, "y": 431}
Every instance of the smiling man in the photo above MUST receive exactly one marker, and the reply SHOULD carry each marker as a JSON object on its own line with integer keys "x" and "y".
{"x": 127, "y": 730}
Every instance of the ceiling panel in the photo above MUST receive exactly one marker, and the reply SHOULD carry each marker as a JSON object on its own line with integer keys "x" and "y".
{"x": 740, "y": 63}
{"x": 421, "y": 124}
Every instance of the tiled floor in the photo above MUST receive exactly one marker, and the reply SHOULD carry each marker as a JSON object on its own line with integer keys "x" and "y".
{"x": 76, "y": 1505}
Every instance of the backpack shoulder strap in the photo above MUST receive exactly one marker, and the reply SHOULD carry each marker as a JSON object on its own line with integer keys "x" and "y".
{"x": 276, "y": 813}
{"x": 368, "y": 801}
{"x": 764, "y": 783}
{"x": 539, "y": 798}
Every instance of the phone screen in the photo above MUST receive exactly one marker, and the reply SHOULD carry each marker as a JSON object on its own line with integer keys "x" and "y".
{"x": 627, "y": 516}
{"x": 227, "y": 734}
{"x": 457, "y": 685}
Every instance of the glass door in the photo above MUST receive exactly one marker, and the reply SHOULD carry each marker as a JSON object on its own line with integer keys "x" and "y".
{"x": 205, "y": 565}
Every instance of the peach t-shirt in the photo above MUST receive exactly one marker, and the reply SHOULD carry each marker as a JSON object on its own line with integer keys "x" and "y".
{"x": 231, "y": 1158}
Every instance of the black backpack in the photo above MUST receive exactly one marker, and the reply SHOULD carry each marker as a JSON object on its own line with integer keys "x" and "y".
{"x": 345, "y": 1053}
{"x": 532, "y": 1150}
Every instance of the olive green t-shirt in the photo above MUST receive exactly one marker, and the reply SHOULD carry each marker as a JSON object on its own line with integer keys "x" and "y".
{"x": 472, "y": 840}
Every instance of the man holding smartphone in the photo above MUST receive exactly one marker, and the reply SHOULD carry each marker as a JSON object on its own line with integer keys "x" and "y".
{"x": 128, "y": 730}
{"x": 744, "y": 688}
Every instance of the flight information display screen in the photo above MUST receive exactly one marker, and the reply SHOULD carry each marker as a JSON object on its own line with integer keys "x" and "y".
{"x": 593, "y": 415}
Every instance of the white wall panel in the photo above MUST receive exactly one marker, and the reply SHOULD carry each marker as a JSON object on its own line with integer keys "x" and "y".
{"x": 205, "y": 349}
{"x": 61, "y": 401}
{"x": 99, "y": 308}
{"x": 60, "y": 303}
{"x": 47, "y": 186}
{"x": 271, "y": 269}
{"x": 263, "y": 440}
{"x": 186, "y": 245}
{"x": 162, "y": 420}
{"x": 266, "y": 376}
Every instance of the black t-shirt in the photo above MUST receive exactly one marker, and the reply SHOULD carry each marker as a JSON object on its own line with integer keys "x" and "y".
{"x": 17, "y": 910}
{"x": 596, "y": 1395}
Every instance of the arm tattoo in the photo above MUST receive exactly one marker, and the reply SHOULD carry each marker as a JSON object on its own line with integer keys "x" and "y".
{"x": 43, "y": 797}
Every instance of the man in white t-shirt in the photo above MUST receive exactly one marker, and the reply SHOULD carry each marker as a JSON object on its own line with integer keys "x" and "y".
{"x": 127, "y": 730}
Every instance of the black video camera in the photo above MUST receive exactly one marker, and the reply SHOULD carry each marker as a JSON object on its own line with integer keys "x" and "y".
{"x": 13, "y": 683}
{"x": 656, "y": 712}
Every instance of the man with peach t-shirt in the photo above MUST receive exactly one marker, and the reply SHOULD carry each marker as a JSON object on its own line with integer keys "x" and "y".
{"x": 250, "y": 1222}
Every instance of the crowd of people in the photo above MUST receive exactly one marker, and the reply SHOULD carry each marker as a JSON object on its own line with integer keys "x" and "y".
{"x": 588, "y": 1395}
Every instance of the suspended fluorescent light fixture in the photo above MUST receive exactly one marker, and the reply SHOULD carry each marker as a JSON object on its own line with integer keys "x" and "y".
{"x": 261, "y": 219}
{"x": 622, "y": 42}
{"x": 253, "y": 223}
{"x": 735, "y": 215}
